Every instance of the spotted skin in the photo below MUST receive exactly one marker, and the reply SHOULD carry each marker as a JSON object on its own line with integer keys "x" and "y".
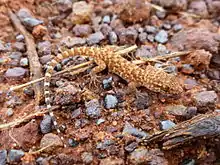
{"x": 153, "y": 79}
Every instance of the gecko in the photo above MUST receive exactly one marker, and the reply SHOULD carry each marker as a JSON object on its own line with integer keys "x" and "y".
{"x": 152, "y": 78}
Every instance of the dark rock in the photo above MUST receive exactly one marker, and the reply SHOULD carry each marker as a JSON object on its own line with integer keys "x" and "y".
{"x": 46, "y": 124}
{"x": 145, "y": 52}
{"x": 131, "y": 147}
{"x": 24, "y": 62}
{"x": 166, "y": 124}
{"x": 177, "y": 27}
{"x": 19, "y": 46}
{"x": 106, "y": 19}
{"x": 107, "y": 83}
{"x": 29, "y": 91}
{"x": 129, "y": 129}
{"x": 105, "y": 29}
{"x": 64, "y": 5}
{"x": 112, "y": 161}
{"x": 199, "y": 8}
{"x": 142, "y": 101}
{"x": 142, "y": 37}
{"x": 73, "y": 143}
{"x": 44, "y": 48}
{"x": 161, "y": 36}
{"x": 95, "y": 38}
{"x": 206, "y": 99}
{"x": 127, "y": 35}
{"x": 188, "y": 162}
{"x": 15, "y": 155}
{"x": 16, "y": 73}
{"x": 45, "y": 59}
{"x": 93, "y": 108}
{"x": 144, "y": 156}
{"x": 110, "y": 101}
{"x": 20, "y": 38}
{"x": 87, "y": 157}
{"x": 82, "y": 30}
{"x": 113, "y": 38}
{"x": 3, "y": 157}
{"x": 76, "y": 113}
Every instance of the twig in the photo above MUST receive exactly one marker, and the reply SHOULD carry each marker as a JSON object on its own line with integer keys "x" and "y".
{"x": 35, "y": 66}
{"x": 71, "y": 68}
{"x": 23, "y": 119}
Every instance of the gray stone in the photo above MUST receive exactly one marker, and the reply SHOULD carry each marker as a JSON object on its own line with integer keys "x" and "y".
{"x": 100, "y": 121}
{"x": 167, "y": 26}
{"x": 44, "y": 48}
{"x": 45, "y": 59}
{"x": 15, "y": 155}
{"x": 16, "y": 73}
{"x": 24, "y": 62}
{"x": 19, "y": 46}
{"x": 161, "y": 14}
{"x": 76, "y": 113}
{"x": 161, "y": 36}
{"x": 145, "y": 52}
{"x": 142, "y": 37}
{"x": 150, "y": 38}
{"x": 64, "y": 5}
{"x": 3, "y": 157}
{"x": 73, "y": 143}
{"x": 10, "y": 112}
{"x": 82, "y": 30}
{"x": 127, "y": 35}
{"x": 105, "y": 29}
{"x": 150, "y": 29}
{"x": 30, "y": 23}
{"x": 161, "y": 49}
{"x": 167, "y": 124}
{"x": 46, "y": 124}
{"x": 113, "y": 38}
{"x": 20, "y": 38}
{"x": 129, "y": 129}
{"x": 105, "y": 144}
{"x": 106, "y": 19}
{"x": 24, "y": 13}
{"x": 95, "y": 38}
{"x": 131, "y": 147}
{"x": 93, "y": 108}
{"x": 15, "y": 55}
{"x": 51, "y": 140}
{"x": 110, "y": 101}
{"x": 142, "y": 101}
{"x": 206, "y": 98}
{"x": 177, "y": 27}
{"x": 107, "y": 83}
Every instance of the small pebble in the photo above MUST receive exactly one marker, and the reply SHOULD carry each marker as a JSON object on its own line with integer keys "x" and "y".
{"x": 87, "y": 157}
{"x": 3, "y": 157}
{"x": 46, "y": 124}
{"x": 142, "y": 101}
{"x": 95, "y": 38}
{"x": 76, "y": 113}
{"x": 107, "y": 83}
{"x": 10, "y": 112}
{"x": 51, "y": 140}
{"x": 105, "y": 29}
{"x": 64, "y": 5}
{"x": 20, "y": 38}
{"x": 150, "y": 38}
{"x": 24, "y": 62}
{"x": 100, "y": 121}
{"x": 206, "y": 98}
{"x": 93, "y": 108}
{"x": 129, "y": 129}
{"x": 127, "y": 35}
{"x": 161, "y": 36}
{"x": 188, "y": 162}
{"x": 167, "y": 26}
{"x": 19, "y": 46}
{"x": 161, "y": 14}
{"x": 45, "y": 59}
{"x": 82, "y": 30}
{"x": 142, "y": 37}
{"x": 16, "y": 73}
{"x": 167, "y": 124}
{"x": 187, "y": 69}
{"x": 110, "y": 101}
{"x": 161, "y": 49}
{"x": 30, "y": 23}
{"x": 190, "y": 83}
{"x": 145, "y": 51}
{"x": 113, "y": 38}
{"x": 15, "y": 55}
{"x": 73, "y": 143}
{"x": 29, "y": 91}
{"x": 105, "y": 144}
{"x": 74, "y": 41}
{"x": 2, "y": 47}
{"x": 177, "y": 27}
{"x": 106, "y": 19}
{"x": 131, "y": 147}
{"x": 15, "y": 155}
{"x": 150, "y": 29}
{"x": 44, "y": 48}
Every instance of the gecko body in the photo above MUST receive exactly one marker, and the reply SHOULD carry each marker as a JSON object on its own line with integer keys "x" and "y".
{"x": 152, "y": 78}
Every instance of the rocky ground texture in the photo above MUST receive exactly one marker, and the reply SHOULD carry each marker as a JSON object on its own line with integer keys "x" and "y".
{"x": 101, "y": 123}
